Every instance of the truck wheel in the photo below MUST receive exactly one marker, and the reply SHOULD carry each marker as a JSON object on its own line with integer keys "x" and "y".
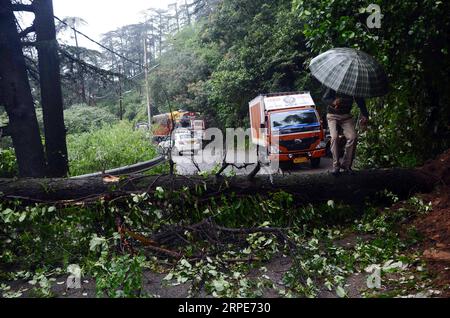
{"x": 315, "y": 163}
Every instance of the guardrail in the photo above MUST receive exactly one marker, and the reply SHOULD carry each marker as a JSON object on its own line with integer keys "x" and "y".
{"x": 136, "y": 168}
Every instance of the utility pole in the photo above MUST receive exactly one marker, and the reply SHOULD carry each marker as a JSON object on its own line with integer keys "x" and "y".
{"x": 160, "y": 35}
{"x": 120, "y": 96}
{"x": 147, "y": 88}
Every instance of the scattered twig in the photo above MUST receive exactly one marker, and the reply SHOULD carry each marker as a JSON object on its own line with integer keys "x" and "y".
{"x": 150, "y": 244}
{"x": 255, "y": 171}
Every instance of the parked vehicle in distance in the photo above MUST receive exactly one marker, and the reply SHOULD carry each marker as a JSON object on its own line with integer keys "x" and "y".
{"x": 163, "y": 124}
{"x": 287, "y": 128}
{"x": 142, "y": 126}
{"x": 183, "y": 142}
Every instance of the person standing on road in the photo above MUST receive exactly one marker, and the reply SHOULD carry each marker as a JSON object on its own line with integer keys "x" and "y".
{"x": 339, "y": 115}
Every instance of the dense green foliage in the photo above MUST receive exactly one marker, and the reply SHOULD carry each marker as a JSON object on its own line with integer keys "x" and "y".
{"x": 99, "y": 146}
{"x": 42, "y": 241}
{"x": 411, "y": 123}
{"x": 8, "y": 165}
{"x": 246, "y": 48}
{"x": 133, "y": 107}
{"x": 112, "y": 146}
{"x": 82, "y": 118}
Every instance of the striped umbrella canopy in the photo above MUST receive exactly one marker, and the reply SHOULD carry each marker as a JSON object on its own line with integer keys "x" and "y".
{"x": 350, "y": 72}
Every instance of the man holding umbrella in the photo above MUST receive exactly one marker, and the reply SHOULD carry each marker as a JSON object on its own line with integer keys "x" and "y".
{"x": 350, "y": 76}
{"x": 339, "y": 115}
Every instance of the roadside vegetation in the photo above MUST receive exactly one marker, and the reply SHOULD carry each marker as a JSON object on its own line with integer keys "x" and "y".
{"x": 247, "y": 48}
{"x": 325, "y": 247}
{"x": 96, "y": 141}
{"x": 111, "y": 146}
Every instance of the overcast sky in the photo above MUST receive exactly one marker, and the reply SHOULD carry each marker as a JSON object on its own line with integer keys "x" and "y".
{"x": 105, "y": 15}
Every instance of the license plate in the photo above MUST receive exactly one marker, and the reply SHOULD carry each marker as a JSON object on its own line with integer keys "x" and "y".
{"x": 300, "y": 160}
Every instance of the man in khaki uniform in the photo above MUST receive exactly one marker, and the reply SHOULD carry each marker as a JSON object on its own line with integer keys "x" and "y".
{"x": 339, "y": 115}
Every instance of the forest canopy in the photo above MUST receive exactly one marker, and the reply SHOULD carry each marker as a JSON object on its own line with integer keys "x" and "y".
{"x": 246, "y": 48}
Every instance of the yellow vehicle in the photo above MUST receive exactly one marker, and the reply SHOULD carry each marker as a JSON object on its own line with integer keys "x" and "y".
{"x": 163, "y": 124}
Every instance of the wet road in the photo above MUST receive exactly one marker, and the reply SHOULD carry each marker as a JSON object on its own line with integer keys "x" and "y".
{"x": 190, "y": 165}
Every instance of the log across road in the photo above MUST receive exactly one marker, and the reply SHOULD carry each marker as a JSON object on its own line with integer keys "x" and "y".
{"x": 306, "y": 188}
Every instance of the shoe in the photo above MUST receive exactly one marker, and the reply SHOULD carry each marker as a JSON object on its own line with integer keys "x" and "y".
{"x": 349, "y": 171}
{"x": 336, "y": 172}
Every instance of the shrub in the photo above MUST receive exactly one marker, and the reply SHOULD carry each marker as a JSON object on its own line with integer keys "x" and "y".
{"x": 8, "y": 163}
{"x": 120, "y": 277}
{"x": 394, "y": 137}
{"x": 83, "y": 118}
{"x": 134, "y": 107}
{"x": 110, "y": 147}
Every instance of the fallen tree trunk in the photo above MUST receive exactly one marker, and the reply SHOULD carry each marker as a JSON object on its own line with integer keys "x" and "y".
{"x": 305, "y": 188}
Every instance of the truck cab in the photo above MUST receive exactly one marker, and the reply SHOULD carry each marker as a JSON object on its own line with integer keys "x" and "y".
{"x": 287, "y": 128}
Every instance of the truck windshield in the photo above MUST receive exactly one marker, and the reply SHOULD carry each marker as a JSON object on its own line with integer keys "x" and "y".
{"x": 294, "y": 121}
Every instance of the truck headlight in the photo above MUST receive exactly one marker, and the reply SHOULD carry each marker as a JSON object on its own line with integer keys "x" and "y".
{"x": 322, "y": 145}
{"x": 274, "y": 150}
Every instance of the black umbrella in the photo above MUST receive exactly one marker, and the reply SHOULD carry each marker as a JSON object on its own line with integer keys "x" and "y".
{"x": 351, "y": 72}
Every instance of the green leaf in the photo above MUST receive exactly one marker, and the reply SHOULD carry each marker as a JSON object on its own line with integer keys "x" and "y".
{"x": 168, "y": 276}
{"x": 341, "y": 292}
{"x": 219, "y": 285}
{"x": 96, "y": 241}
{"x": 22, "y": 217}
{"x": 185, "y": 263}
{"x": 213, "y": 272}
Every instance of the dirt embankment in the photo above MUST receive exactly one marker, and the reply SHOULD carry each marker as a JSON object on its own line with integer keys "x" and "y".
{"x": 435, "y": 226}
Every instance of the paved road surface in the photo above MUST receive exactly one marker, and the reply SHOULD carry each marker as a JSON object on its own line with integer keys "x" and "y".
{"x": 185, "y": 165}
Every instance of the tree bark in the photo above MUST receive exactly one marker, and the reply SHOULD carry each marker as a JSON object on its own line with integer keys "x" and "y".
{"x": 17, "y": 97}
{"x": 51, "y": 94}
{"x": 305, "y": 188}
